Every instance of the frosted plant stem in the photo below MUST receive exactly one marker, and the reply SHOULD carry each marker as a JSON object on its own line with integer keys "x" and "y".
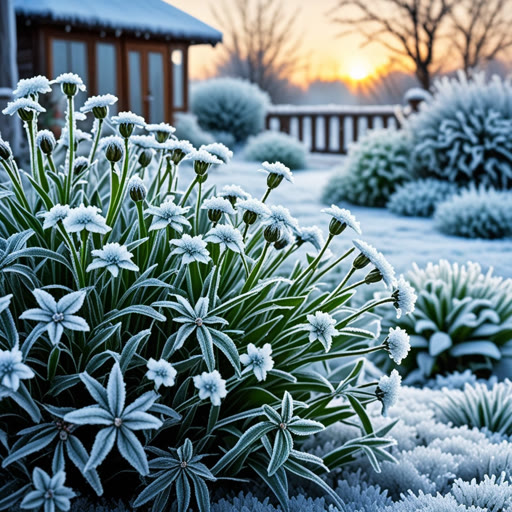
{"x": 29, "y": 126}
{"x": 265, "y": 196}
{"x": 71, "y": 147}
{"x": 187, "y": 193}
{"x": 18, "y": 188}
{"x": 312, "y": 266}
{"x": 372, "y": 305}
{"x": 96, "y": 140}
{"x": 198, "y": 205}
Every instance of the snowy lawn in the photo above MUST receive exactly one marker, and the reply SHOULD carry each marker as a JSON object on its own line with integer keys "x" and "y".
{"x": 402, "y": 239}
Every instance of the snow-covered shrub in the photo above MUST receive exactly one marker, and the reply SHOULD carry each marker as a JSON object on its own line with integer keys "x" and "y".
{"x": 187, "y": 128}
{"x": 230, "y": 105}
{"x": 420, "y": 198}
{"x": 464, "y": 134}
{"x": 153, "y": 345}
{"x": 375, "y": 166}
{"x": 481, "y": 407}
{"x": 476, "y": 213}
{"x": 272, "y": 146}
{"x": 462, "y": 319}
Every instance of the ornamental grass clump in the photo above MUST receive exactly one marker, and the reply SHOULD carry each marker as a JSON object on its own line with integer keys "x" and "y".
{"x": 154, "y": 341}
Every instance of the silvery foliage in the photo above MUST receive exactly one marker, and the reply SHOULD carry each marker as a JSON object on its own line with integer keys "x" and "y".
{"x": 375, "y": 166}
{"x": 420, "y": 198}
{"x": 464, "y": 133}
{"x": 272, "y": 146}
{"x": 476, "y": 213}
{"x": 462, "y": 318}
{"x": 230, "y": 105}
{"x": 76, "y": 394}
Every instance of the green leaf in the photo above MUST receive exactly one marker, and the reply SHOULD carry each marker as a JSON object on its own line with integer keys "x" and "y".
{"x": 361, "y": 412}
{"x": 206, "y": 344}
{"x": 283, "y": 444}
{"x": 182, "y": 492}
{"x": 225, "y": 344}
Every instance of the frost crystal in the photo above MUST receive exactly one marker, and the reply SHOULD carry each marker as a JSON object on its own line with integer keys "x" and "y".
{"x": 191, "y": 249}
{"x": 168, "y": 214}
{"x": 234, "y": 192}
{"x": 12, "y": 369}
{"x": 344, "y": 217}
{"x": 280, "y": 218}
{"x": 70, "y": 78}
{"x": 211, "y": 385}
{"x": 203, "y": 156}
{"x": 219, "y": 150}
{"x": 128, "y": 118}
{"x": 378, "y": 260}
{"x": 145, "y": 142}
{"x": 103, "y": 101}
{"x": 113, "y": 257}
{"x": 312, "y": 235}
{"x": 85, "y": 217}
{"x": 321, "y": 328}
{"x": 32, "y": 87}
{"x": 259, "y": 360}
{"x": 398, "y": 344}
{"x": 56, "y": 214}
{"x": 218, "y": 204}
{"x": 388, "y": 390}
{"x": 227, "y": 236}
{"x": 254, "y": 206}
{"x": 278, "y": 169}
{"x": 161, "y": 127}
{"x": 405, "y": 298}
{"x": 183, "y": 145}
{"x": 161, "y": 372}
{"x": 22, "y": 104}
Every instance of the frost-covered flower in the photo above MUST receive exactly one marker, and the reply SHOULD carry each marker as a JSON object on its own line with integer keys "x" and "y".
{"x": 80, "y": 164}
{"x": 162, "y": 131}
{"x": 168, "y": 214}
{"x": 45, "y": 141}
{"x": 370, "y": 255}
{"x": 79, "y": 116}
{"x": 341, "y": 218}
{"x": 312, "y": 235}
{"x": 233, "y": 193}
{"x": 78, "y": 135}
{"x": 219, "y": 150}
{"x": 136, "y": 189}
{"x": 178, "y": 149}
{"x": 161, "y": 372}
{"x": 49, "y": 493}
{"x": 253, "y": 209}
{"x": 113, "y": 147}
{"x": 388, "y": 390}
{"x": 397, "y": 344}
{"x": 286, "y": 238}
{"x": 85, "y": 217}
{"x": 202, "y": 161}
{"x": 322, "y": 328}
{"x": 279, "y": 220}
{"x": 216, "y": 207}
{"x": 55, "y": 215}
{"x": 70, "y": 83}
{"x": 127, "y": 122}
{"x": 57, "y": 316}
{"x": 25, "y": 107}
{"x": 211, "y": 385}
{"x": 276, "y": 173}
{"x": 113, "y": 257}
{"x": 145, "y": 142}
{"x": 227, "y": 236}
{"x": 99, "y": 105}
{"x": 405, "y": 297}
{"x": 191, "y": 248}
{"x": 12, "y": 369}
{"x": 5, "y": 149}
{"x": 259, "y": 360}
{"x": 32, "y": 87}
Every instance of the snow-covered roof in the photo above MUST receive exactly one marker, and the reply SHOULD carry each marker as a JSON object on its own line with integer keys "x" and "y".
{"x": 153, "y": 16}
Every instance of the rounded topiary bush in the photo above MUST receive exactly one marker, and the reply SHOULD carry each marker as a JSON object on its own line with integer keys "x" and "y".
{"x": 376, "y": 165}
{"x": 230, "y": 105}
{"x": 476, "y": 213}
{"x": 419, "y": 198}
{"x": 464, "y": 133}
{"x": 276, "y": 146}
{"x": 187, "y": 128}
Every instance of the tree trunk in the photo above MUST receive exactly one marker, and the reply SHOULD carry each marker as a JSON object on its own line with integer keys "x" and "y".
{"x": 423, "y": 76}
{"x": 9, "y": 125}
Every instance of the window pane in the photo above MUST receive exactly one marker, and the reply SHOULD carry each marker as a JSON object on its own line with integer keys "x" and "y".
{"x": 59, "y": 58}
{"x": 177, "y": 78}
{"x": 106, "y": 70}
{"x": 70, "y": 57}
{"x": 135, "y": 74}
{"x": 156, "y": 87}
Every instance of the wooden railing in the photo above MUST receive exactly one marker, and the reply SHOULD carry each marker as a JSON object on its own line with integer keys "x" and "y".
{"x": 330, "y": 128}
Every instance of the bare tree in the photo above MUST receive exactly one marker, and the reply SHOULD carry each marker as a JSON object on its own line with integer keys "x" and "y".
{"x": 481, "y": 30}
{"x": 261, "y": 42}
{"x": 409, "y": 29}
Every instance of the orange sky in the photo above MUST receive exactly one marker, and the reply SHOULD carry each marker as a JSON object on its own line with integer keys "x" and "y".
{"x": 329, "y": 57}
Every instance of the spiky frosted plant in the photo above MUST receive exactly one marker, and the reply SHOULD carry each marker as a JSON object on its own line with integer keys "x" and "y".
{"x": 375, "y": 166}
{"x": 462, "y": 319}
{"x": 149, "y": 351}
{"x": 464, "y": 133}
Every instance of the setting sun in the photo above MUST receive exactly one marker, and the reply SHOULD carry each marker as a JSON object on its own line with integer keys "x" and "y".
{"x": 358, "y": 70}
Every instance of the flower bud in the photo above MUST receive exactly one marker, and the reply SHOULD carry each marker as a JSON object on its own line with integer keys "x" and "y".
{"x": 80, "y": 165}
{"x": 202, "y": 178}
{"x": 373, "y": 276}
{"x": 360, "y": 261}
{"x": 201, "y": 168}
{"x": 274, "y": 180}
{"x": 126, "y": 129}
{"x": 137, "y": 189}
{"x": 250, "y": 217}
{"x": 214, "y": 215}
{"x": 162, "y": 136}
{"x": 281, "y": 243}
{"x": 336, "y": 227}
{"x": 45, "y": 141}
{"x": 271, "y": 234}
{"x": 5, "y": 150}
{"x": 26, "y": 114}
{"x": 177, "y": 155}
{"x": 100, "y": 112}
{"x": 145, "y": 157}
{"x": 114, "y": 150}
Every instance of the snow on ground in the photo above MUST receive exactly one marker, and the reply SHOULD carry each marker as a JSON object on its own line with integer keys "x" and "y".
{"x": 402, "y": 239}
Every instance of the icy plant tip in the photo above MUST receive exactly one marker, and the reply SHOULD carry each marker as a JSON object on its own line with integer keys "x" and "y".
{"x": 227, "y": 237}
{"x": 234, "y": 193}
{"x": 162, "y": 131}
{"x": 99, "y": 105}
{"x": 279, "y": 220}
{"x": 202, "y": 160}
{"x": 216, "y": 207}
{"x": 211, "y": 385}
{"x": 32, "y": 87}
{"x": 191, "y": 248}
{"x": 113, "y": 257}
{"x": 55, "y": 215}
{"x": 24, "y": 107}
{"x": 56, "y": 316}
{"x": 126, "y": 123}
{"x": 341, "y": 218}
{"x": 253, "y": 210}
{"x": 312, "y": 235}
{"x": 70, "y": 83}
{"x": 397, "y": 344}
{"x": 383, "y": 269}
{"x": 276, "y": 173}
{"x": 258, "y": 360}
{"x": 404, "y": 298}
{"x": 168, "y": 214}
{"x": 113, "y": 147}
{"x": 161, "y": 373}
{"x": 12, "y": 369}
{"x": 219, "y": 150}
{"x": 45, "y": 141}
{"x": 136, "y": 189}
{"x": 321, "y": 328}
{"x": 85, "y": 217}
{"x": 388, "y": 390}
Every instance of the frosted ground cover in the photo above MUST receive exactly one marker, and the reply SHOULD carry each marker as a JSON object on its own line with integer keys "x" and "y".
{"x": 403, "y": 240}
